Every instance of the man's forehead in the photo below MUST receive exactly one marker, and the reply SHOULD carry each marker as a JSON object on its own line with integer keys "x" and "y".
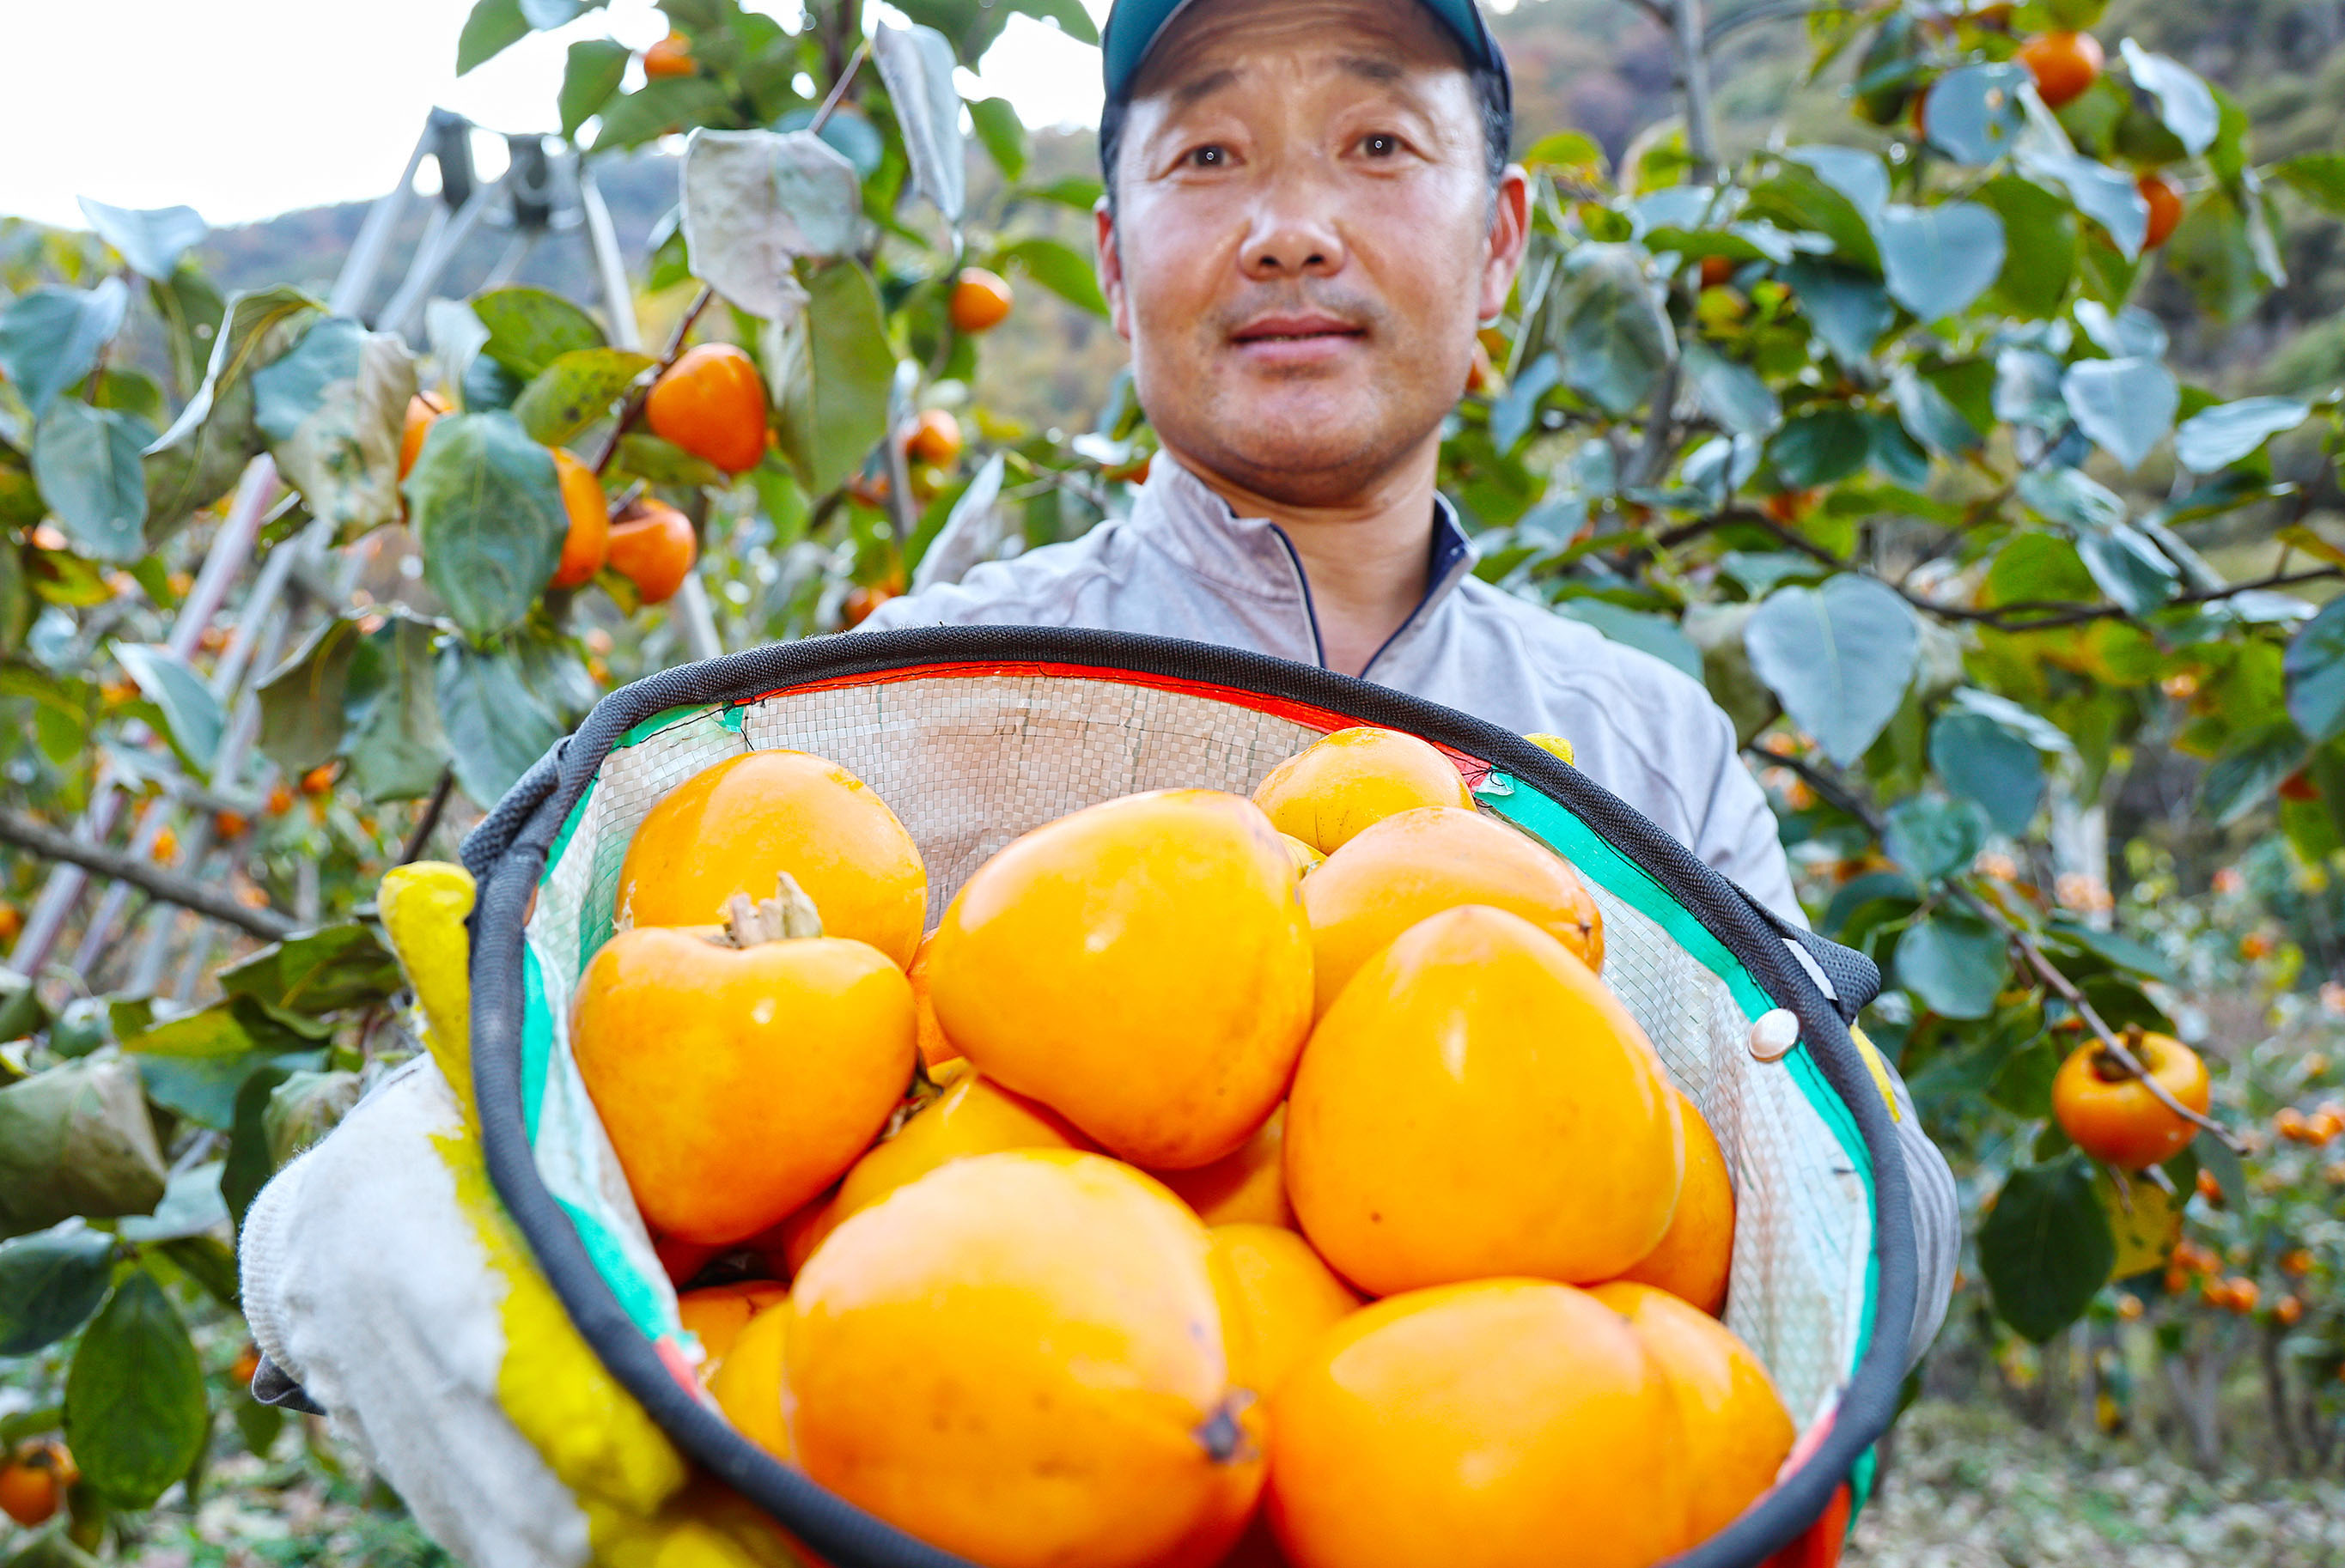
{"x": 1210, "y": 45}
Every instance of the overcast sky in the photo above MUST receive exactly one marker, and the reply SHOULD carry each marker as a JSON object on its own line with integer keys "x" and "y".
{"x": 244, "y": 108}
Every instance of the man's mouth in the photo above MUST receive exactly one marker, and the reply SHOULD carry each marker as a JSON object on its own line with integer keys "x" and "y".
{"x": 1306, "y": 341}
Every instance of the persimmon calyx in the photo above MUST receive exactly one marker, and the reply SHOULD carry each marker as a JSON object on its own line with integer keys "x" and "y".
{"x": 788, "y": 915}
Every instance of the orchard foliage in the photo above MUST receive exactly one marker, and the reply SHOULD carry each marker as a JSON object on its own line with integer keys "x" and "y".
{"x": 1877, "y": 438}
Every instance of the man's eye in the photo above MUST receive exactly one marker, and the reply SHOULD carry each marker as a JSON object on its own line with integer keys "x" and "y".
{"x": 1212, "y": 157}
{"x": 1380, "y": 145}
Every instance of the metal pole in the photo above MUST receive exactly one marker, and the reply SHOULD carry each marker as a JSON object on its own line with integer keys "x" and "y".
{"x": 356, "y": 280}
{"x": 406, "y": 306}
{"x": 229, "y": 548}
{"x": 696, "y": 619}
{"x": 516, "y": 253}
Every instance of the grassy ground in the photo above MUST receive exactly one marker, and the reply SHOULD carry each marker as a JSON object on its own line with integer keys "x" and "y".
{"x": 1972, "y": 1487}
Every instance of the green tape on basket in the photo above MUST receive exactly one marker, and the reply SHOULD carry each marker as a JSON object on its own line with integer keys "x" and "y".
{"x": 536, "y": 1040}
{"x": 569, "y": 831}
{"x": 636, "y": 1298}
{"x": 1595, "y": 856}
{"x": 662, "y": 720}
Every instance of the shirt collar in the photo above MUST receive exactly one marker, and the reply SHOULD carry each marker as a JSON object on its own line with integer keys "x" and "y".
{"x": 1181, "y": 515}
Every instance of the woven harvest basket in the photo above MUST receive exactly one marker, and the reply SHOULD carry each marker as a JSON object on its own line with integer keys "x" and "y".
{"x": 975, "y": 735}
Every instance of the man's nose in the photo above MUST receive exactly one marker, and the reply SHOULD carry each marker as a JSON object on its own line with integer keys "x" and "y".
{"x": 1294, "y": 234}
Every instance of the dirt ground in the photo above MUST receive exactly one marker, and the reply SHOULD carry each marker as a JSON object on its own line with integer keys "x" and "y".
{"x": 1972, "y": 1487}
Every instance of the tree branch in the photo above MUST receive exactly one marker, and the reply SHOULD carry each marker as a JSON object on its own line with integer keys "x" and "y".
{"x": 636, "y": 400}
{"x": 421, "y": 834}
{"x": 2024, "y": 615}
{"x": 1831, "y": 790}
{"x": 144, "y": 875}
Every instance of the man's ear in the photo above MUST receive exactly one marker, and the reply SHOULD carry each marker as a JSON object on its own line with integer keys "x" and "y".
{"x": 1510, "y": 227}
{"x": 1110, "y": 269}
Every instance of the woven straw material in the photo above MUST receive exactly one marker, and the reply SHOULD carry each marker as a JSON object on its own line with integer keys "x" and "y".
{"x": 968, "y": 762}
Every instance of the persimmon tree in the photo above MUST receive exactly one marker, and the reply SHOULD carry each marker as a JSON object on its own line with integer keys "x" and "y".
{"x": 1876, "y": 438}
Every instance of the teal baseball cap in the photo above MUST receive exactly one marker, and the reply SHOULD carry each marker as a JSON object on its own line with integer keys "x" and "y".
{"x": 1134, "y": 25}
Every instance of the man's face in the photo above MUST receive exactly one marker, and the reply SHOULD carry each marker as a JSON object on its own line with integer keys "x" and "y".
{"x": 1305, "y": 240}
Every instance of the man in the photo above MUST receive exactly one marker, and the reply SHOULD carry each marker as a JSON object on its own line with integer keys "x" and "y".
{"x": 1309, "y": 211}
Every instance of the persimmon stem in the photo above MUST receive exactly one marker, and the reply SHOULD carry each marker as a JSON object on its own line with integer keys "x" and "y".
{"x": 788, "y": 915}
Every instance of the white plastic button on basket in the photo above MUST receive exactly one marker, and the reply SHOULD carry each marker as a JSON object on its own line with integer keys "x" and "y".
{"x": 1774, "y": 1034}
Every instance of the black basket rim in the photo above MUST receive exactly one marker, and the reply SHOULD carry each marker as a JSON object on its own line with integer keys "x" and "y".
{"x": 507, "y": 852}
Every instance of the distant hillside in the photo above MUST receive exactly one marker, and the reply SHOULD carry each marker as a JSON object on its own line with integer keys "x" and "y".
{"x": 1597, "y": 66}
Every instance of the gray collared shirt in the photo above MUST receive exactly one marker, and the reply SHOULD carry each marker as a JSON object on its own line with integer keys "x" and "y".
{"x": 1184, "y": 565}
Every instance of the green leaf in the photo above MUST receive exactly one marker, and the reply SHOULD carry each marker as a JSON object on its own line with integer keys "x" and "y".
{"x": 646, "y": 457}
{"x": 1605, "y": 329}
{"x": 1982, "y": 761}
{"x": 1573, "y": 151}
{"x": 2106, "y": 196}
{"x": 136, "y": 1413}
{"x": 493, "y": 26}
{"x": 334, "y": 408}
{"x": 575, "y": 391}
{"x": 487, "y": 511}
{"x": 1938, "y": 259}
{"x": 2319, "y": 177}
{"x": 50, "y": 337}
{"x": 917, "y": 64}
{"x": 2185, "y": 106}
{"x": 191, "y": 1206}
{"x": 590, "y": 75}
{"x": 2037, "y": 567}
{"x": 1078, "y": 191}
{"x": 77, "y": 1139}
{"x": 663, "y": 108}
{"x": 2127, "y": 567}
{"x": 753, "y": 201}
{"x": 208, "y": 1262}
{"x": 999, "y": 127}
{"x": 1839, "y": 656}
{"x": 2249, "y": 769}
{"x": 193, "y": 713}
{"x": 1731, "y": 392}
{"x": 1648, "y": 633}
{"x": 209, "y": 444}
{"x": 2124, "y": 406}
{"x": 2046, "y": 1248}
{"x": 2314, "y": 669}
{"x": 1820, "y": 447}
{"x": 1955, "y": 963}
{"x": 1069, "y": 16}
{"x": 192, "y": 311}
{"x": 497, "y": 728}
{"x": 301, "y": 699}
{"x": 323, "y": 971}
{"x": 2023, "y": 1086}
{"x": 390, "y": 713}
{"x": 2218, "y": 437}
{"x": 529, "y": 328}
{"x": 1929, "y": 415}
{"x": 304, "y": 1108}
{"x": 50, "y": 1284}
{"x": 151, "y": 240}
{"x": 1976, "y": 112}
{"x": 2039, "y": 234}
{"x": 86, "y": 462}
{"x": 1935, "y": 837}
{"x": 249, "y": 1164}
{"x": 1058, "y": 268}
{"x": 833, "y": 366}
{"x": 1849, "y": 310}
